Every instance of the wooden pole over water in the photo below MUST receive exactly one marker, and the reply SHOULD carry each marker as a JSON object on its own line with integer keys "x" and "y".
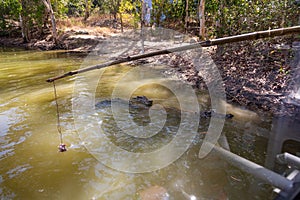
{"x": 219, "y": 41}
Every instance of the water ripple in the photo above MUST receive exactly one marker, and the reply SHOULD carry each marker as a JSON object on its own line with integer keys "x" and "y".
{"x": 18, "y": 170}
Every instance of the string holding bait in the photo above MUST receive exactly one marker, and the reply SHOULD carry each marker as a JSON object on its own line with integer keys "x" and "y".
{"x": 61, "y": 147}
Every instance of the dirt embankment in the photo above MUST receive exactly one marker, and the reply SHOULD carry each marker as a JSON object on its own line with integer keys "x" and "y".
{"x": 259, "y": 75}
{"x": 74, "y": 34}
{"x": 73, "y": 39}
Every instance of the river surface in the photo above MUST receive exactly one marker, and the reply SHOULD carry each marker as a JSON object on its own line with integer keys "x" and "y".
{"x": 32, "y": 168}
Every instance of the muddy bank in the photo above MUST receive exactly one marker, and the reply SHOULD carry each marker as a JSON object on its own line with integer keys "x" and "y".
{"x": 258, "y": 75}
{"x": 78, "y": 40}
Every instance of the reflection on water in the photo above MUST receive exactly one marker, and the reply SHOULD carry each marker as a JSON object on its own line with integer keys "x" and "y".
{"x": 32, "y": 168}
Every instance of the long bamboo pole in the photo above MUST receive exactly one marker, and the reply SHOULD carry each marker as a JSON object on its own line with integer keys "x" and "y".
{"x": 219, "y": 41}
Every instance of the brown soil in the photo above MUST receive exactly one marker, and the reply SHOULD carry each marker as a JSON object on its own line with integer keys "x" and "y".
{"x": 258, "y": 75}
{"x": 75, "y": 39}
{"x": 74, "y": 34}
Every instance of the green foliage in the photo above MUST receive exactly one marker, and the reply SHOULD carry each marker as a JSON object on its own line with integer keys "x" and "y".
{"x": 158, "y": 9}
{"x": 75, "y": 8}
{"x": 60, "y": 7}
{"x": 111, "y": 6}
{"x": 223, "y": 17}
{"x": 240, "y": 16}
{"x": 9, "y": 11}
{"x": 132, "y": 7}
{"x": 175, "y": 10}
{"x": 33, "y": 11}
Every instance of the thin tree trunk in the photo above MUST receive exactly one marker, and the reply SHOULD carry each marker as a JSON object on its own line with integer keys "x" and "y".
{"x": 121, "y": 19}
{"x": 143, "y": 14}
{"x": 219, "y": 41}
{"x": 143, "y": 24}
{"x": 24, "y": 22}
{"x": 186, "y": 15}
{"x": 160, "y": 12}
{"x": 284, "y": 14}
{"x": 87, "y": 10}
{"x": 202, "y": 19}
{"x": 53, "y": 21}
{"x": 22, "y": 26}
{"x": 220, "y": 23}
{"x": 47, "y": 4}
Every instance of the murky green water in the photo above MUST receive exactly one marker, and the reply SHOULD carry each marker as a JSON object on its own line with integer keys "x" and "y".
{"x": 32, "y": 168}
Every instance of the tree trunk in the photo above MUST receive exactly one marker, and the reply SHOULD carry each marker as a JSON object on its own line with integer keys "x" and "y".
{"x": 22, "y": 27}
{"x": 121, "y": 19}
{"x": 186, "y": 15}
{"x": 143, "y": 24}
{"x": 87, "y": 10}
{"x": 24, "y": 22}
{"x": 143, "y": 14}
{"x": 160, "y": 12}
{"x": 47, "y": 4}
{"x": 202, "y": 19}
{"x": 221, "y": 22}
{"x": 284, "y": 13}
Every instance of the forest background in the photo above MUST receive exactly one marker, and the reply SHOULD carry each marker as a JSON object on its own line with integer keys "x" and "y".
{"x": 205, "y": 18}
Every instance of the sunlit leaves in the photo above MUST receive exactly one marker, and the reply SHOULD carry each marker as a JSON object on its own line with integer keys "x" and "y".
{"x": 9, "y": 8}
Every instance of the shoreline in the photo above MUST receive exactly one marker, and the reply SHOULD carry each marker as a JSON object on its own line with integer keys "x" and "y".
{"x": 252, "y": 83}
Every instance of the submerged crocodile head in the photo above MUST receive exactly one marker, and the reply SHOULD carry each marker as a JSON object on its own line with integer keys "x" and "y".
{"x": 135, "y": 102}
{"x": 141, "y": 100}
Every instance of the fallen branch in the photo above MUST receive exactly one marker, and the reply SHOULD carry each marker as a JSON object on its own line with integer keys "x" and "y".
{"x": 219, "y": 41}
